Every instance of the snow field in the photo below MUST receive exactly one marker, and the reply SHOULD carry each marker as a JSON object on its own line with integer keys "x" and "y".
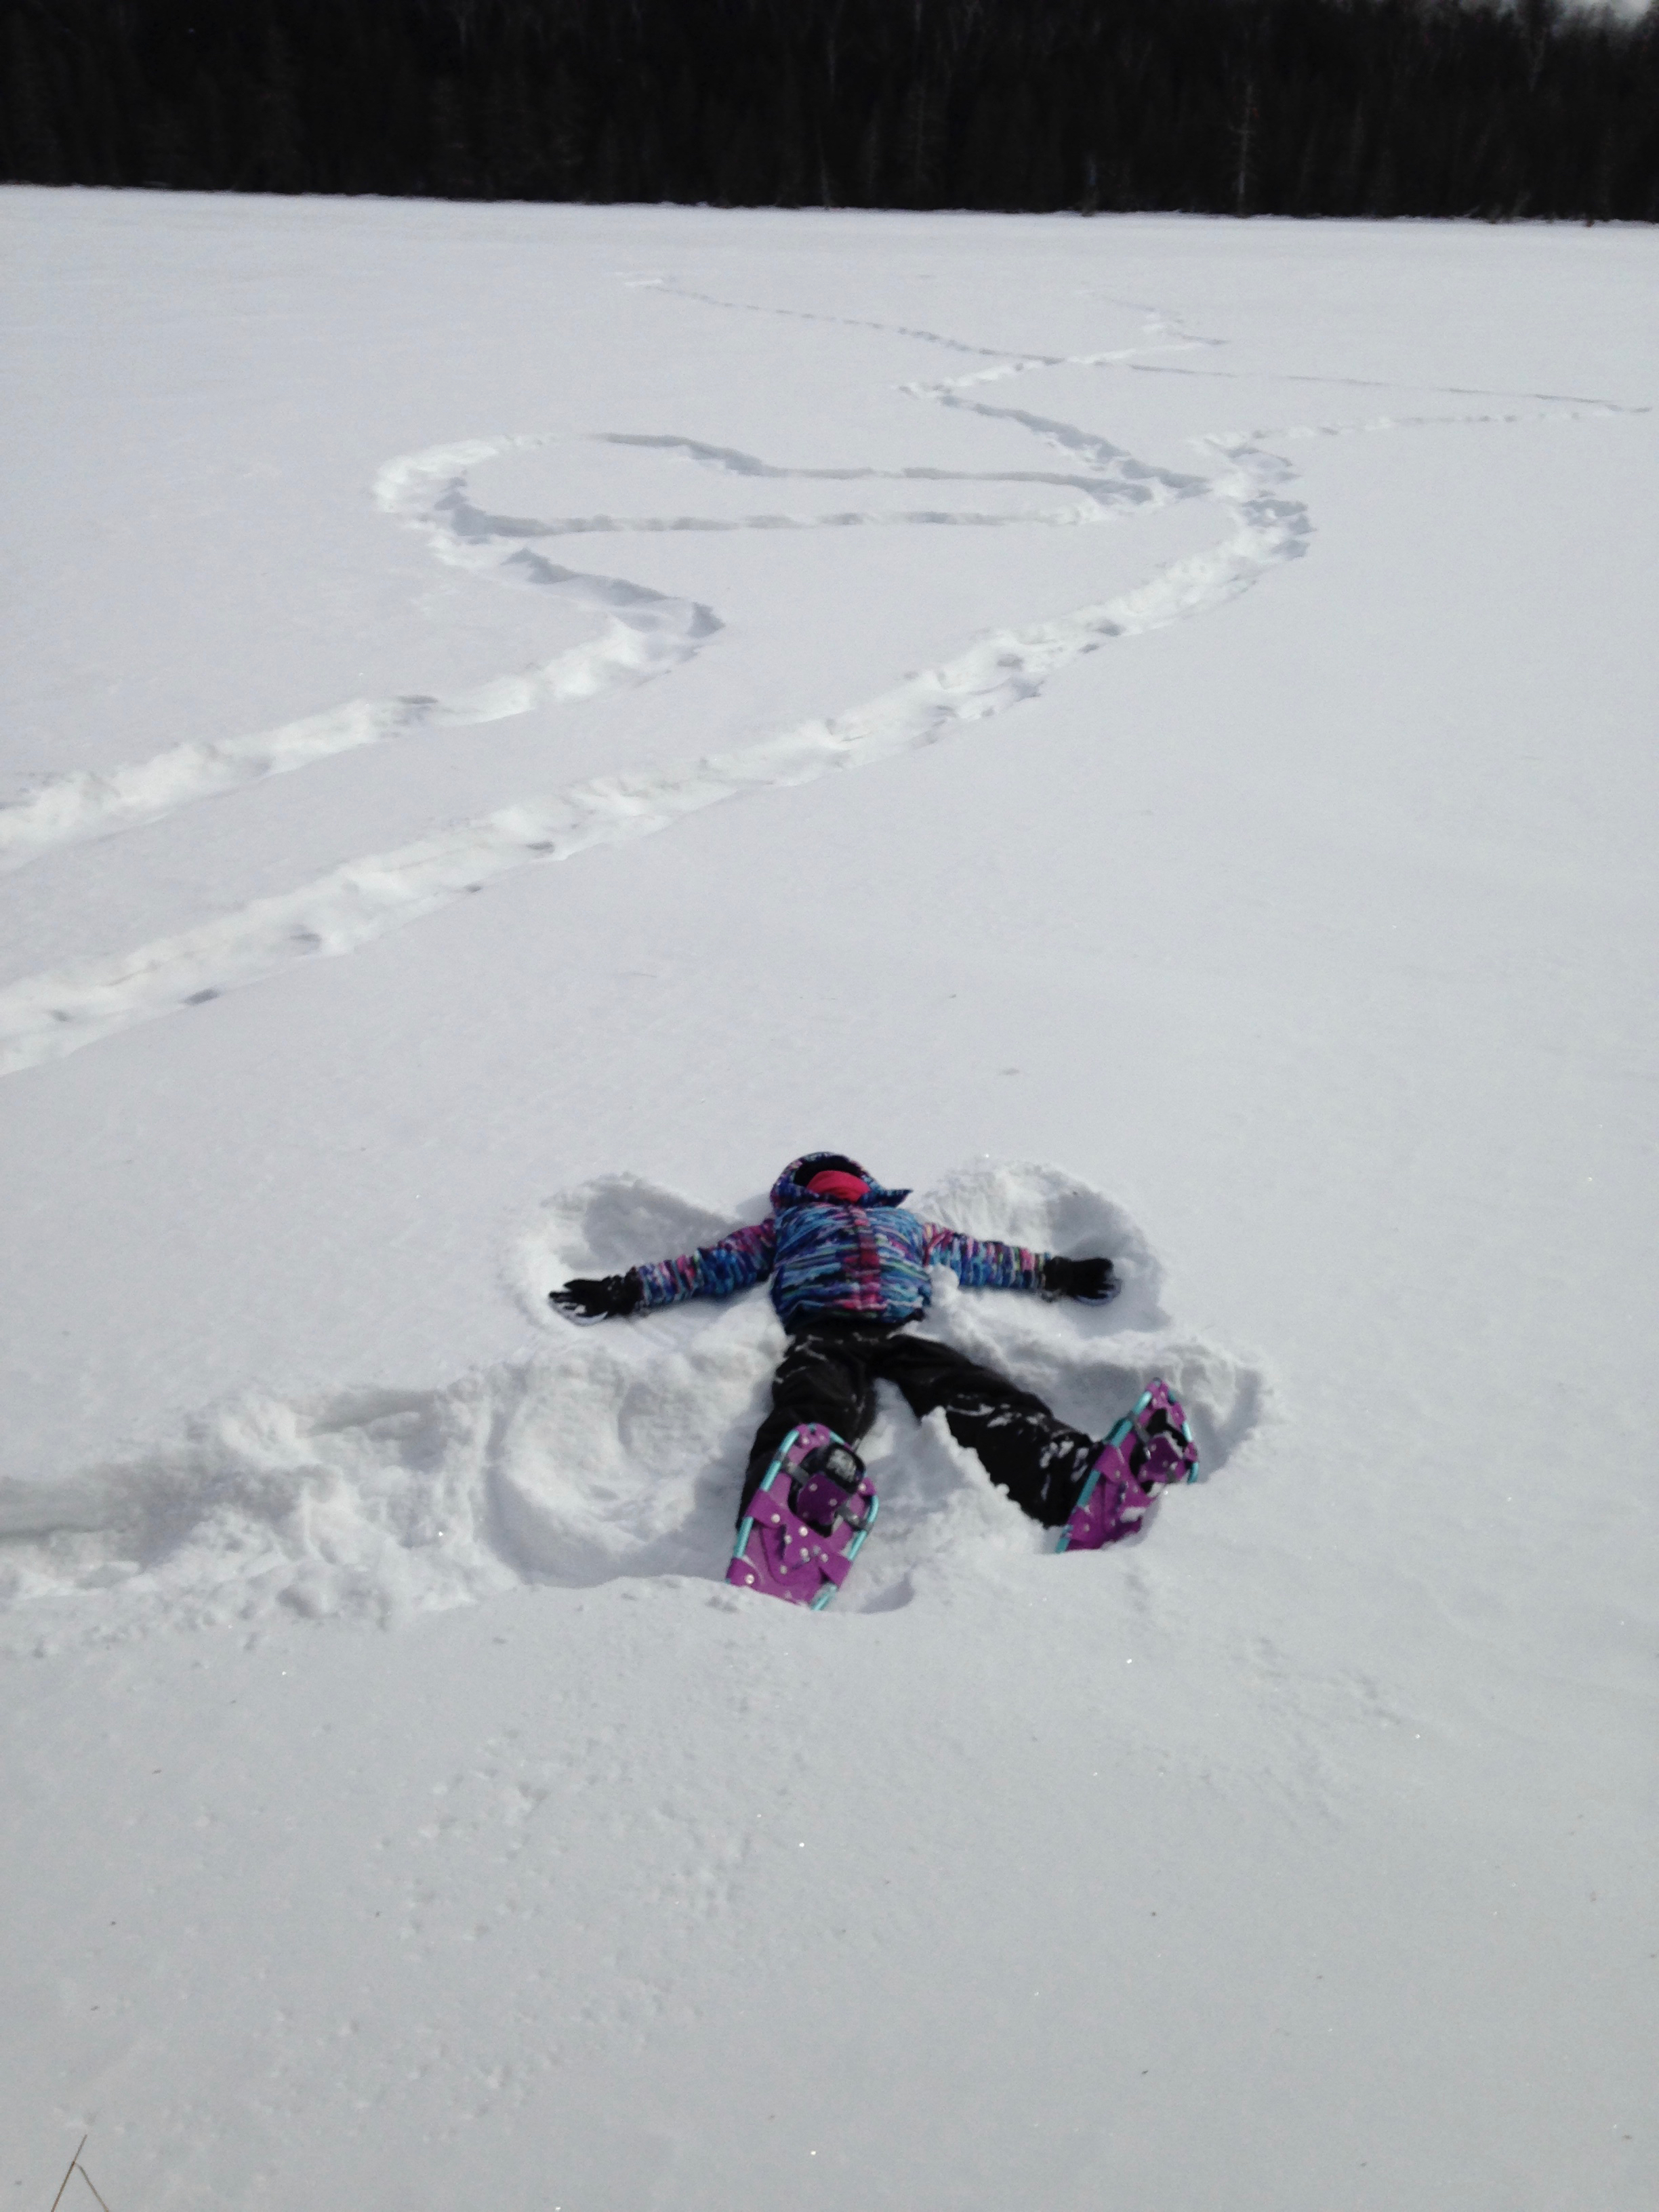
{"x": 1232, "y": 645}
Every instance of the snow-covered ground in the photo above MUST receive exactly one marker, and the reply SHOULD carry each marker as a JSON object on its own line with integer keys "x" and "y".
{"x": 1143, "y": 729}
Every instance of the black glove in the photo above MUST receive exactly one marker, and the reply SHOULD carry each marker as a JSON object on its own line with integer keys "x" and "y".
{"x": 1090, "y": 1280}
{"x": 604, "y": 1298}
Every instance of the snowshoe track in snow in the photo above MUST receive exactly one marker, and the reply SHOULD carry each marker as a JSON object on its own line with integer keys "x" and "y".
{"x": 643, "y": 634}
{"x": 618, "y": 1452}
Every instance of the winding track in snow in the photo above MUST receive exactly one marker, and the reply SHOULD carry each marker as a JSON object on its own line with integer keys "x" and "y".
{"x": 644, "y": 634}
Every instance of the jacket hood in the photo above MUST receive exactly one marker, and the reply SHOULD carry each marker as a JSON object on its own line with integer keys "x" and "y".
{"x": 790, "y": 1188}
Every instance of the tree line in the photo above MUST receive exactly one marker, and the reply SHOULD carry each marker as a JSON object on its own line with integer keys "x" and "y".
{"x": 1499, "y": 108}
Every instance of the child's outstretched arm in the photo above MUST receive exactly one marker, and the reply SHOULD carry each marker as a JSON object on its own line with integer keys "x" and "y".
{"x": 981, "y": 1264}
{"x": 714, "y": 1271}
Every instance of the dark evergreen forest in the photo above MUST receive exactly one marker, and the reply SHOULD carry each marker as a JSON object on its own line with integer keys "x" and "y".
{"x": 1302, "y": 107}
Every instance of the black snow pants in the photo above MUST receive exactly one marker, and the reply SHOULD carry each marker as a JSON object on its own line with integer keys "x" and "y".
{"x": 830, "y": 1373}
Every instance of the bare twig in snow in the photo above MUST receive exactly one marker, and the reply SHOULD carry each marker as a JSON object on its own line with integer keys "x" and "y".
{"x": 69, "y": 2170}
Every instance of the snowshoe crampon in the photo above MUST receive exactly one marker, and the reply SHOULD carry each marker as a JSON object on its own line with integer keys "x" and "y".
{"x": 1149, "y": 1447}
{"x": 806, "y": 1523}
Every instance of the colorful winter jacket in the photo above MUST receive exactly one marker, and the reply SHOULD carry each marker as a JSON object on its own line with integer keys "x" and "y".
{"x": 825, "y": 1255}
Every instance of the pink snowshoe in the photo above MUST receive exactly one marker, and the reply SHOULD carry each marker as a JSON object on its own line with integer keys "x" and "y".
{"x": 806, "y": 1523}
{"x": 1149, "y": 1447}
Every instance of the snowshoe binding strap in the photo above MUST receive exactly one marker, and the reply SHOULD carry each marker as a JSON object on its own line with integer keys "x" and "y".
{"x": 826, "y": 1490}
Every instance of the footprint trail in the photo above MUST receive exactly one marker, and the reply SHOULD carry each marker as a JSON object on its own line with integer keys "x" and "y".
{"x": 48, "y": 1015}
{"x": 642, "y": 634}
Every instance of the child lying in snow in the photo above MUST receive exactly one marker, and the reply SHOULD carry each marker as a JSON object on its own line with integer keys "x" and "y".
{"x": 849, "y": 1274}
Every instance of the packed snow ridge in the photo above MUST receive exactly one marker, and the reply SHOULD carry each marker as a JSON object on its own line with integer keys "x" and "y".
{"x": 614, "y": 1452}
